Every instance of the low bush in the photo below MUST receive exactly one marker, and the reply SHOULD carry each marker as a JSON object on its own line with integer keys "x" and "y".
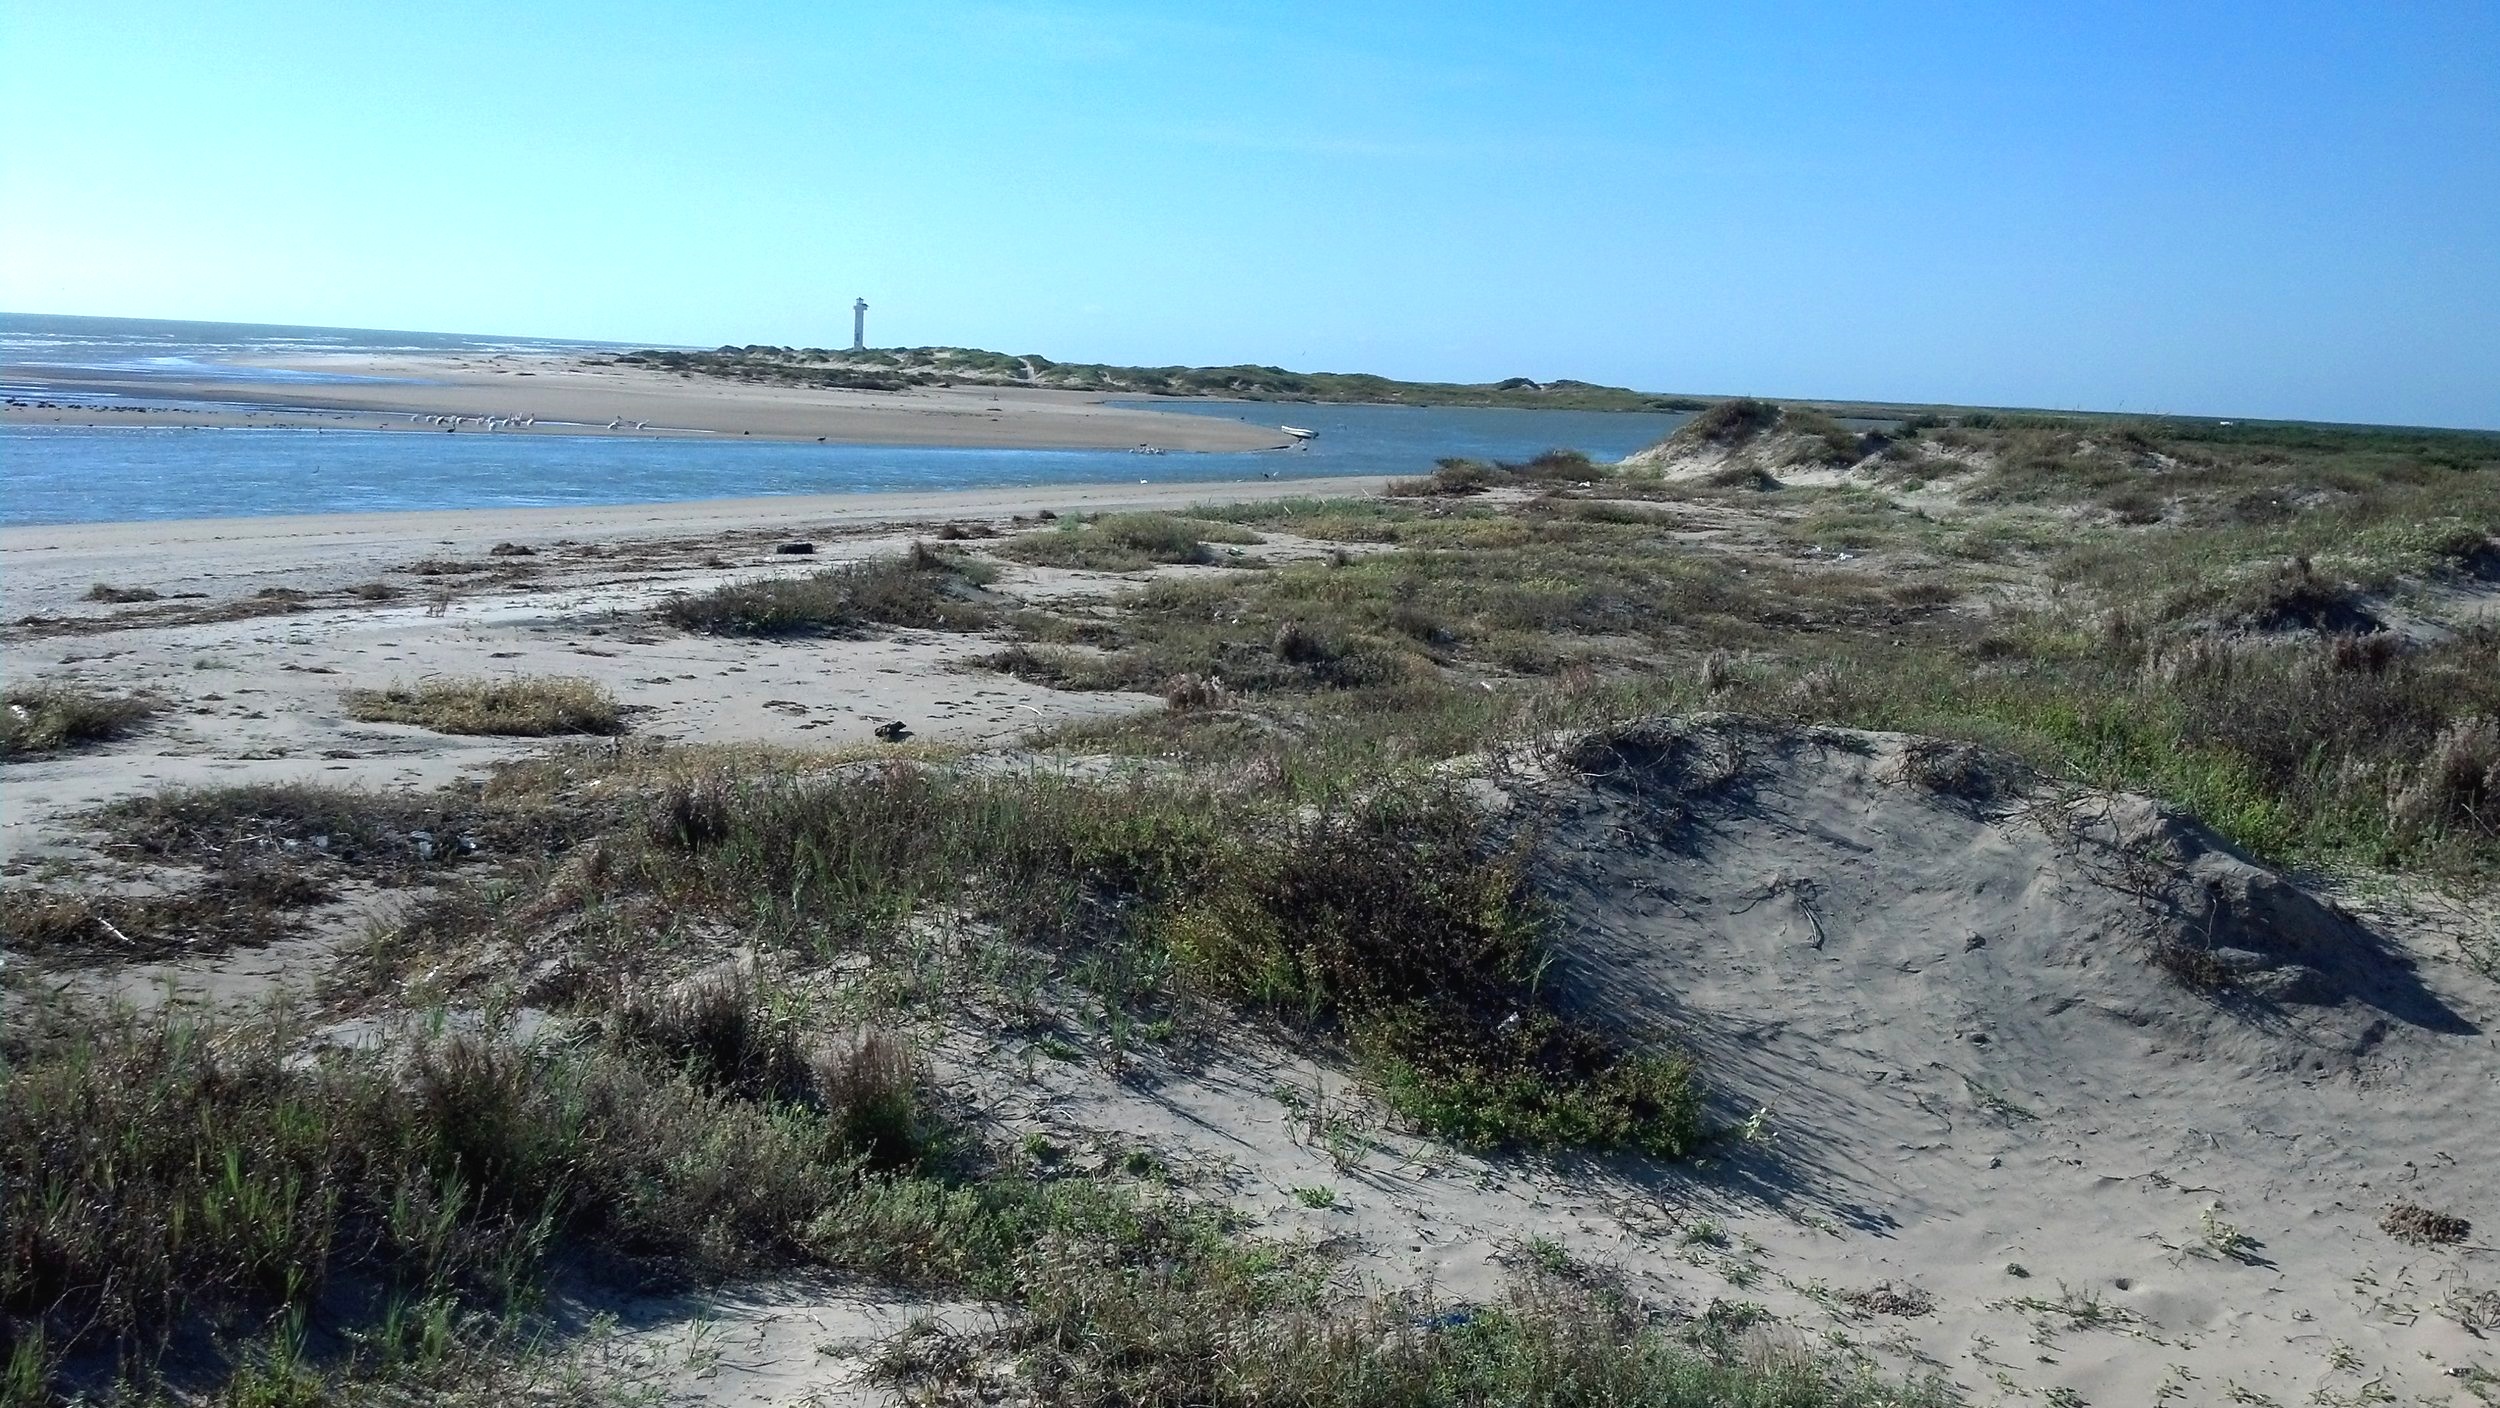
{"x": 1461, "y": 477}
{"x": 2296, "y": 596}
{"x": 1730, "y": 422}
{"x": 1451, "y": 478}
{"x": 1124, "y": 542}
{"x": 924, "y": 589}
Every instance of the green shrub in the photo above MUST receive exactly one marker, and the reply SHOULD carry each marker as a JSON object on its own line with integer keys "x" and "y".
{"x": 1730, "y": 422}
{"x": 925, "y": 589}
{"x": 1125, "y": 542}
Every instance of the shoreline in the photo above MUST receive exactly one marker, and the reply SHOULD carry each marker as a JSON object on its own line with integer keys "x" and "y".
{"x": 859, "y": 505}
{"x": 45, "y": 567}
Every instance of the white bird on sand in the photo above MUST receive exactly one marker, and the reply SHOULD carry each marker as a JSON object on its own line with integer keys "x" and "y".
{"x": 642, "y": 425}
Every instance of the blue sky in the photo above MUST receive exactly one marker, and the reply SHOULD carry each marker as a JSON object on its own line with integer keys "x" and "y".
{"x": 2277, "y": 209}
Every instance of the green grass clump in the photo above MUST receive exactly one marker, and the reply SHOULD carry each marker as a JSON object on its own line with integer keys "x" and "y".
{"x": 38, "y": 719}
{"x": 165, "y": 1184}
{"x": 1195, "y": 1332}
{"x": 1461, "y": 477}
{"x": 1125, "y": 542}
{"x": 925, "y": 588}
{"x": 522, "y": 706}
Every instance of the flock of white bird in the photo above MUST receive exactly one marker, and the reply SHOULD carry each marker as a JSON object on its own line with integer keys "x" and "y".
{"x": 506, "y": 422}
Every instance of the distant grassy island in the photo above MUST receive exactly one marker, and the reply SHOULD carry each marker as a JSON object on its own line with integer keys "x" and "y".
{"x": 904, "y": 368}
{"x": 899, "y": 368}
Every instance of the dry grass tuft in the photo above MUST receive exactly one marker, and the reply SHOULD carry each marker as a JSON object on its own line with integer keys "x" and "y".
{"x": 112, "y": 595}
{"x": 2422, "y": 1227}
{"x": 1189, "y": 693}
{"x": 1950, "y": 768}
{"x": 237, "y": 908}
{"x": 521, "y": 706}
{"x": 692, "y": 811}
{"x": 2457, "y": 784}
{"x": 49, "y": 718}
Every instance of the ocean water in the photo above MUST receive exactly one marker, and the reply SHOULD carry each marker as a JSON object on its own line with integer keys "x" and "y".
{"x": 62, "y": 474}
{"x": 104, "y": 360}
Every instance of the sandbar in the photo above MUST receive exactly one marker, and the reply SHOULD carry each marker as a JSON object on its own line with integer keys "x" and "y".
{"x": 539, "y": 393}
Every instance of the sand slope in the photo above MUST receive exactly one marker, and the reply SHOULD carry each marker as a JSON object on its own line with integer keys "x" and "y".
{"x": 1993, "y": 1141}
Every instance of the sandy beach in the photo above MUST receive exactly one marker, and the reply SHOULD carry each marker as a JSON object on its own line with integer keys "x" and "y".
{"x": 523, "y": 394}
{"x": 263, "y": 607}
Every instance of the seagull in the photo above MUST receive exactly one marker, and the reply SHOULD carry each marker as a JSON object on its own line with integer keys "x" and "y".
{"x": 892, "y": 731}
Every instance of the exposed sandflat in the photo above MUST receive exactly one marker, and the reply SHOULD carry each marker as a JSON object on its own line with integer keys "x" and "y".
{"x": 258, "y": 698}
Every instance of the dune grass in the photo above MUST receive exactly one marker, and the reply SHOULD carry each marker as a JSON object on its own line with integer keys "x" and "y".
{"x": 2225, "y": 654}
{"x": 39, "y": 719}
{"x": 926, "y": 588}
{"x": 370, "y": 1228}
{"x": 1391, "y": 921}
{"x": 525, "y": 706}
{"x": 166, "y": 1184}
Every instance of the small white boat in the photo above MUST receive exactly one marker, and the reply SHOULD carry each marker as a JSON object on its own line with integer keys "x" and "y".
{"x": 1297, "y": 432}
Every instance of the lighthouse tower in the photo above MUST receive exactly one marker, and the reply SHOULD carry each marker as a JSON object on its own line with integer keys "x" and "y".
{"x": 859, "y": 326}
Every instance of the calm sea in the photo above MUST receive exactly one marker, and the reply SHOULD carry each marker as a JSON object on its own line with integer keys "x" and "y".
{"x": 51, "y": 474}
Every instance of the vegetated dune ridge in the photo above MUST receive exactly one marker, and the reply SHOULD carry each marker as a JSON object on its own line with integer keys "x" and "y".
{"x": 2018, "y": 1085}
{"x": 897, "y": 368}
{"x": 2026, "y": 1085}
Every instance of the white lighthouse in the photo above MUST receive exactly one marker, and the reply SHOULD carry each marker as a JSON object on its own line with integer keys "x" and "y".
{"x": 859, "y": 326}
